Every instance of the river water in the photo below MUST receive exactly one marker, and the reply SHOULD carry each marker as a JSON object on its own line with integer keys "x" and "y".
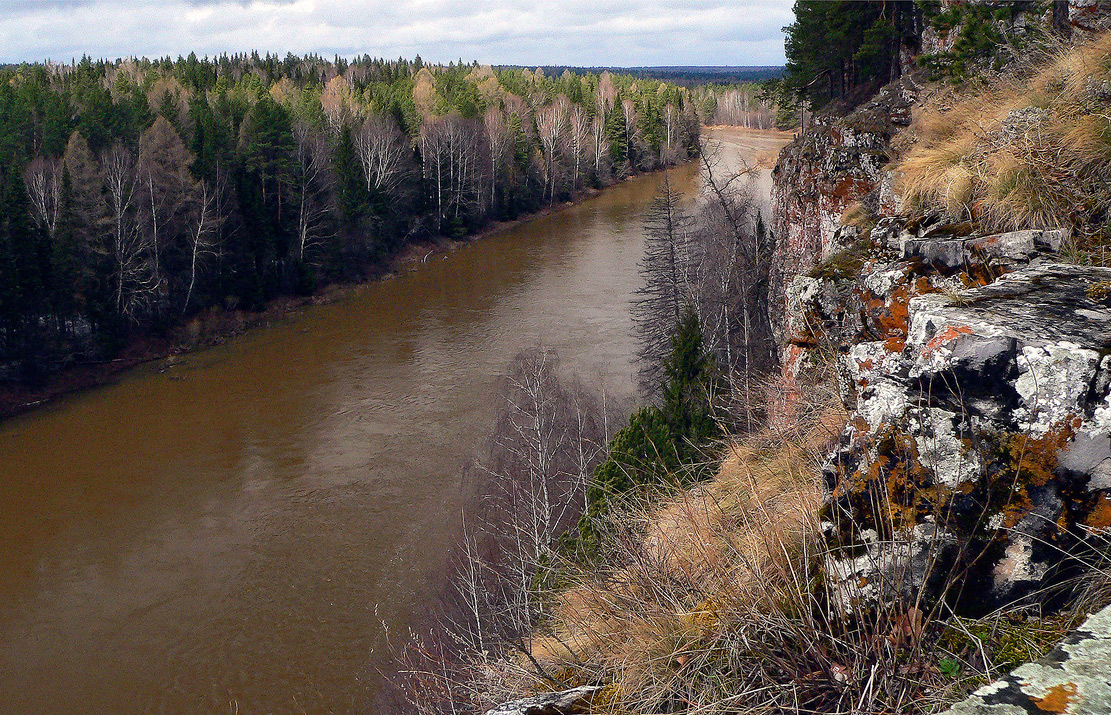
{"x": 244, "y": 530}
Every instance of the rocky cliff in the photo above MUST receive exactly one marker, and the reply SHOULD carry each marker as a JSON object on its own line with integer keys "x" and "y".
{"x": 978, "y": 372}
{"x": 976, "y": 466}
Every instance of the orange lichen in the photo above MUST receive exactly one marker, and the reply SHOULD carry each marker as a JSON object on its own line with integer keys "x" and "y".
{"x": 1056, "y": 699}
{"x": 895, "y": 345}
{"x": 890, "y": 316}
{"x": 1100, "y": 515}
{"x": 1031, "y": 462}
{"x": 946, "y": 336}
{"x": 1035, "y": 459}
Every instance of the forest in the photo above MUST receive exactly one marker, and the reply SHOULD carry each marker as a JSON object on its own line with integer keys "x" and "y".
{"x": 137, "y": 194}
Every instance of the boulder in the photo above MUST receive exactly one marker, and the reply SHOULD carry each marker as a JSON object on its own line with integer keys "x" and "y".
{"x": 1005, "y": 249}
{"x": 982, "y": 438}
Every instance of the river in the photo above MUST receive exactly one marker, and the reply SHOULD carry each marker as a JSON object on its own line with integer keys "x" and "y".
{"x": 242, "y": 531}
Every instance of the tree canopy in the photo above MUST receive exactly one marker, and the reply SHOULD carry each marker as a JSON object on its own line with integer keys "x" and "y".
{"x": 137, "y": 193}
{"x": 833, "y": 48}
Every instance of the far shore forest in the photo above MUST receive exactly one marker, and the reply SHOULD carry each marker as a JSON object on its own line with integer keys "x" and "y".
{"x": 136, "y": 195}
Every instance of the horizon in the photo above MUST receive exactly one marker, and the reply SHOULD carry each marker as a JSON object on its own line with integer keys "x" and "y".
{"x": 608, "y": 34}
{"x": 357, "y": 57}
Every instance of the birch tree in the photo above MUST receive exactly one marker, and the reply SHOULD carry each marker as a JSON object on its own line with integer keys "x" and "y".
{"x": 578, "y": 142}
{"x": 500, "y": 145}
{"x": 43, "y": 179}
{"x": 313, "y": 185}
{"x": 551, "y": 125}
{"x": 134, "y": 277}
{"x": 203, "y": 235}
{"x": 384, "y": 153}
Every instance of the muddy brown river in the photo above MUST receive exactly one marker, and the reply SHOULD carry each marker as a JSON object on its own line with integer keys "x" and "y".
{"x": 243, "y": 531}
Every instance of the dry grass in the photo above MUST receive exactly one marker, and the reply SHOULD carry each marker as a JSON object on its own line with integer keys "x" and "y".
{"x": 700, "y": 581}
{"x": 713, "y": 601}
{"x": 1024, "y": 153}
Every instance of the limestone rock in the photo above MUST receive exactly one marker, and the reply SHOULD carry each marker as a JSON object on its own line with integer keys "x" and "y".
{"x": 948, "y": 252}
{"x": 990, "y": 418}
{"x": 567, "y": 702}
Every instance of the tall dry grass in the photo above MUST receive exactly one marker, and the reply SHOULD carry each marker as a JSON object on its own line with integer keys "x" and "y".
{"x": 1028, "y": 151}
{"x": 699, "y": 609}
{"x": 716, "y": 600}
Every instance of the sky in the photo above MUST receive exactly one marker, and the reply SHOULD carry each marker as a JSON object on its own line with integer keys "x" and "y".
{"x": 619, "y": 33}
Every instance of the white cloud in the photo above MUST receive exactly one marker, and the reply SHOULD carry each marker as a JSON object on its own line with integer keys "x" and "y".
{"x": 575, "y": 32}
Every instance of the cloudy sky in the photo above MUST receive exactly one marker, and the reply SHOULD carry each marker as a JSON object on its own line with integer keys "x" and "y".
{"x": 527, "y": 32}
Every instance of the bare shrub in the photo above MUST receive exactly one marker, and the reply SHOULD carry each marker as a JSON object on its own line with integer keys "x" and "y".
{"x": 549, "y": 435}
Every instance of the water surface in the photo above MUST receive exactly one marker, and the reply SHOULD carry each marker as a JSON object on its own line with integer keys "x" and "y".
{"x": 242, "y": 531}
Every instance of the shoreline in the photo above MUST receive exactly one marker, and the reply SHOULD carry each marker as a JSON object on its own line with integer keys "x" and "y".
{"x": 214, "y": 327}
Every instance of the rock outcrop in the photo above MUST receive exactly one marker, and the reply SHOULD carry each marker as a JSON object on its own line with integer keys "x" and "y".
{"x": 833, "y": 164}
{"x": 979, "y": 375}
{"x": 566, "y": 702}
{"x": 1069, "y": 679}
{"x": 977, "y": 369}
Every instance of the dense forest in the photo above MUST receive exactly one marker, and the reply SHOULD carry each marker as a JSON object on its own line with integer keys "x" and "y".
{"x": 684, "y": 76}
{"x": 841, "y": 52}
{"x": 135, "y": 194}
{"x": 833, "y": 48}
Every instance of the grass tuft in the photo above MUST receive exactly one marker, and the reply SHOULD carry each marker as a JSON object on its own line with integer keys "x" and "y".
{"x": 1028, "y": 152}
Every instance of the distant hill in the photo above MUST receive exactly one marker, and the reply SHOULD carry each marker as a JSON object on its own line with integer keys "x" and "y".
{"x": 683, "y": 75}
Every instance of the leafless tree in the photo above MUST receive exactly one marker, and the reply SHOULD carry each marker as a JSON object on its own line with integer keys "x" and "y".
{"x": 134, "y": 275}
{"x": 453, "y": 163}
{"x": 632, "y": 128}
{"x": 605, "y": 96}
{"x": 715, "y": 260}
{"x": 551, "y": 126}
{"x": 500, "y": 143}
{"x": 164, "y": 187}
{"x": 549, "y": 436}
{"x": 547, "y": 440}
{"x": 43, "y": 179}
{"x": 669, "y": 151}
{"x": 600, "y": 147}
{"x": 203, "y": 235}
{"x": 384, "y": 155}
{"x": 578, "y": 142}
{"x": 314, "y": 186}
{"x": 338, "y": 103}
{"x": 737, "y": 253}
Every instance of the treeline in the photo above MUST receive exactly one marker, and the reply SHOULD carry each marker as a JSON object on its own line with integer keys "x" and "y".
{"x": 691, "y": 76}
{"x": 137, "y": 193}
{"x": 741, "y": 105}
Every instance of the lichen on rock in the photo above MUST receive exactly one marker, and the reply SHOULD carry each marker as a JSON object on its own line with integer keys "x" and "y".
{"x": 980, "y": 430}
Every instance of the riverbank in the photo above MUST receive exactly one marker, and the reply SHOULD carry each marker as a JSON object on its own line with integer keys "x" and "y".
{"x": 217, "y": 326}
{"x": 278, "y": 509}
